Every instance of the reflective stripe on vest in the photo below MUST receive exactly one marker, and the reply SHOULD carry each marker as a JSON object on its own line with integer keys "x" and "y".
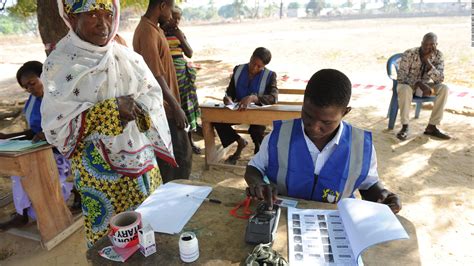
{"x": 29, "y": 109}
{"x": 283, "y": 147}
{"x": 356, "y": 160}
{"x": 263, "y": 82}
{"x": 237, "y": 74}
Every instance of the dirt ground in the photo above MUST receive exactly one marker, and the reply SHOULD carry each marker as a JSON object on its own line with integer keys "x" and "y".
{"x": 434, "y": 178}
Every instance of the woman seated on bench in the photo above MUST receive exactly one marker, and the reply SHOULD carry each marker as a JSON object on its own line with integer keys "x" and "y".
{"x": 250, "y": 83}
{"x": 28, "y": 76}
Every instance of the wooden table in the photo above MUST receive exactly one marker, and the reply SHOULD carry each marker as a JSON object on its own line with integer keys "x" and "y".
{"x": 40, "y": 180}
{"x": 221, "y": 237}
{"x": 217, "y": 113}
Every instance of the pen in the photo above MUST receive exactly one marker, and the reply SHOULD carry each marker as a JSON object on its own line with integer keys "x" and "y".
{"x": 205, "y": 199}
{"x": 17, "y": 137}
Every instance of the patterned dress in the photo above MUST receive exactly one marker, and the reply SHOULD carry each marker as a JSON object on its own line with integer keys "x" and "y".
{"x": 186, "y": 76}
{"x": 105, "y": 192}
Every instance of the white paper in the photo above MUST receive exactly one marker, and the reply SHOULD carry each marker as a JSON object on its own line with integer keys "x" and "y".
{"x": 232, "y": 106}
{"x": 168, "y": 209}
{"x": 235, "y": 106}
{"x": 369, "y": 223}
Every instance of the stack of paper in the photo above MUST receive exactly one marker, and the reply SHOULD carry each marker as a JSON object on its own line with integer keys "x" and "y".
{"x": 18, "y": 145}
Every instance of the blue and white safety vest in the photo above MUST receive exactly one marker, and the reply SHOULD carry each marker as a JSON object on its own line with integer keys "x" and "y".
{"x": 291, "y": 167}
{"x": 256, "y": 86}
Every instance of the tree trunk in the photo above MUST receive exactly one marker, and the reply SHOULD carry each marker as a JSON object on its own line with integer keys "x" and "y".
{"x": 51, "y": 25}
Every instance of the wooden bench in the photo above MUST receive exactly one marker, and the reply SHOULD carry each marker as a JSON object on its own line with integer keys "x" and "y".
{"x": 217, "y": 113}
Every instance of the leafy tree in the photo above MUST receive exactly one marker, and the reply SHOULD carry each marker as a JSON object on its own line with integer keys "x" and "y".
{"x": 293, "y": 5}
{"x": 23, "y": 8}
{"x": 270, "y": 9}
{"x": 314, "y": 7}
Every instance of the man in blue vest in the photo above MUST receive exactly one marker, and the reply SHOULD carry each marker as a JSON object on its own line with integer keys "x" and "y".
{"x": 319, "y": 157}
{"x": 251, "y": 83}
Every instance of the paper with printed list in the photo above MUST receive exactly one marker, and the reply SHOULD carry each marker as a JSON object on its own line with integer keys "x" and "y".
{"x": 336, "y": 237}
{"x": 168, "y": 209}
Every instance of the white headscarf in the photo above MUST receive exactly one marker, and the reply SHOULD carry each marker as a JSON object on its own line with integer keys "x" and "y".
{"x": 77, "y": 75}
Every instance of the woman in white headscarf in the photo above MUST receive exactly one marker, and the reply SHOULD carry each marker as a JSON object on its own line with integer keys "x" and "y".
{"x": 103, "y": 108}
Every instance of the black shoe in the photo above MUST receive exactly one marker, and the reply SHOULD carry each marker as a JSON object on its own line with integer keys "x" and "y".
{"x": 17, "y": 220}
{"x": 437, "y": 134}
{"x": 403, "y": 133}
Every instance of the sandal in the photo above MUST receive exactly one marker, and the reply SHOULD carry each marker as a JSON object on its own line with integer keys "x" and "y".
{"x": 232, "y": 159}
{"x": 437, "y": 134}
{"x": 403, "y": 134}
{"x": 196, "y": 150}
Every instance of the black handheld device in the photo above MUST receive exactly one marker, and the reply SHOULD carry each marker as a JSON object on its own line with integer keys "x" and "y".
{"x": 262, "y": 226}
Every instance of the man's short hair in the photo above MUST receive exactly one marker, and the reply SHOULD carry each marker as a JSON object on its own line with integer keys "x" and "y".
{"x": 263, "y": 54}
{"x": 30, "y": 67}
{"x": 154, "y": 3}
{"x": 430, "y": 36}
{"x": 329, "y": 87}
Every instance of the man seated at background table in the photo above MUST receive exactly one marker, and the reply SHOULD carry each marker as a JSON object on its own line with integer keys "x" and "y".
{"x": 319, "y": 157}
{"x": 250, "y": 83}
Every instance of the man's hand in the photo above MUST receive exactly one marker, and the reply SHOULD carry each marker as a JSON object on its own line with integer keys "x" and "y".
{"x": 246, "y": 101}
{"x": 427, "y": 91}
{"x": 425, "y": 59}
{"x": 377, "y": 193}
{"x": 180, "y": 118}
{"x": 257, "y": 189}
{"x": 263, "y": 191}
{"x": 38, "y": 137}
{"x": 128, "y": 108}
{"x": 227, "y": 100}
{"x": 392, "y": 200}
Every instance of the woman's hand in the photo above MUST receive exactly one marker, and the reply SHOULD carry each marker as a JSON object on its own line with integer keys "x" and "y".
{"x": 128, "y": 108}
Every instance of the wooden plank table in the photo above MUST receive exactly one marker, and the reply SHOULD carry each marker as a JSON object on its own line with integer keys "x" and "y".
{"x": 221, "y": 237}
{"x": 217, "y": 113}
{"x": 40, "y": 180}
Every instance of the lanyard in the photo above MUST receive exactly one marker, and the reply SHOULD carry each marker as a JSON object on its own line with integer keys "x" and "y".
{"x": 246, "y": 212}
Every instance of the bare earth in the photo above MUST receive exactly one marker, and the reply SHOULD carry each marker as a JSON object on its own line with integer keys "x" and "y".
{"x": 434, "y": 178}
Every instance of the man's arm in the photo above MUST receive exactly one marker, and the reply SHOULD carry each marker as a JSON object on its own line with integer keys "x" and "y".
{"x": 436, "y": 73}
{"x": 178, "y": 113}
{"x": 254, "y": 173}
